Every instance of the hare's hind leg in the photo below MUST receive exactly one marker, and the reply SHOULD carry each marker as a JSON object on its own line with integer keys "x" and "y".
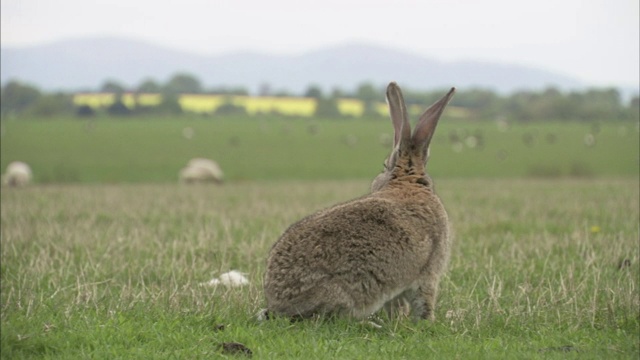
{"x": 422, "y": 300}
{"x": 428, "y": 289}
{"x": 416, "y": 301}
{"x": 430, "y": 278}
{"x": 426, "y": 297}
{"x": 429, "y": 293}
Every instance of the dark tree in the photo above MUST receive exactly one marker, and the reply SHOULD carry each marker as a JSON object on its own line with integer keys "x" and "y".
{"x": 229, "y": 108}
{"x": 118, "y": 108}
{"x": 313, "y": 91}
{"x": 369, "y": 96}
{"x": 16, "y": 97}
{"x": 183, "y": 83}
{"x": 170, "y": 104}
{"x": 85, "y": 111}
{"x": 112, "y": 86}
{"x": 50, "y": 105}
{"x": 327, "y": 107}
{"x": 149, "y": 86}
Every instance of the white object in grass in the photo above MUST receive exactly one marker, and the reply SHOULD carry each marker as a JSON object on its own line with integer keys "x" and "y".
{"x": 200, "y": 170}
{"x": 232, "y": 278}
{"x": 18, "y": 174}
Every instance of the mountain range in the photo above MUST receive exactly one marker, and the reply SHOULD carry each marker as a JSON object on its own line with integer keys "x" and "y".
{"x": 85, "y": 64}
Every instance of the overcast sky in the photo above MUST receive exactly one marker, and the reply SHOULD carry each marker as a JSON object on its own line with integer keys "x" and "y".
{"x": 596, "y": 41}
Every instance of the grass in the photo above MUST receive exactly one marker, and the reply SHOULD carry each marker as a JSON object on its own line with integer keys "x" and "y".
{"x": 264, "y": 148}
{"x": 540, "y": 269}
{"x": 104, "y": 256}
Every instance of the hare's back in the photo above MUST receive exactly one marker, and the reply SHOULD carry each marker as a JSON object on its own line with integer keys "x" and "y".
{"x": 355, "y": 255}
{"x": 353, "y": 235}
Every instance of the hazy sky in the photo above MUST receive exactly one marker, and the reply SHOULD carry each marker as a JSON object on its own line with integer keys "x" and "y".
{"x": 596, "y": 41}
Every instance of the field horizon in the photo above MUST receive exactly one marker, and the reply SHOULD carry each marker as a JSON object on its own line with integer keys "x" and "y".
{"x": 266, "y": 148}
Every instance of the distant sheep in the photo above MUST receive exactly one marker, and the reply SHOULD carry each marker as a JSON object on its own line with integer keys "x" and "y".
{"x": 17, "y": 174}
{"x": 200, "y": 170}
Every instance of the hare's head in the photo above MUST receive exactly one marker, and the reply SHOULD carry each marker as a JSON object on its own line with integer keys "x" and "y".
{"x": 410, "y": 152}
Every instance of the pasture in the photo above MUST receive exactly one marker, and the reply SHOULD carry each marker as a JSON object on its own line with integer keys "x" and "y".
{"x": 105, "y": 255}
{"x": 265, "y": 148}
{"x": 539, "y": 269}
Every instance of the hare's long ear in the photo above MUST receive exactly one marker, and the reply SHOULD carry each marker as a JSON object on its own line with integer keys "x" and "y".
{"x": 398, "y": 113}
{"x": 427, "y": 124}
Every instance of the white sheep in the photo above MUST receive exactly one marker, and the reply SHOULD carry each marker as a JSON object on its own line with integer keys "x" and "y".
{"x": 201, "y": 170}
{"x": 17, "y": 174}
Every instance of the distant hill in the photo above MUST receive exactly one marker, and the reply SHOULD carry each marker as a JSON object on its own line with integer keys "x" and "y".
{"x": 87, "y": 63}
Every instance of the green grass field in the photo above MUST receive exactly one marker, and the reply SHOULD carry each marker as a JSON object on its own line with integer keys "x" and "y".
{"x": 103, "y": 256}
{"x": 117, "y": 151}
{"x": 539, "y": 269}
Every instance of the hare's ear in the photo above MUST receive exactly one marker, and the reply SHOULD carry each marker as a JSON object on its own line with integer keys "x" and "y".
{"x": 427, "y": 124}
{"x": 398, "y": 113}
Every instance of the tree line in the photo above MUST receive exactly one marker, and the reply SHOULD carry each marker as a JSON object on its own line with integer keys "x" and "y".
{"x": 18, "y": 100}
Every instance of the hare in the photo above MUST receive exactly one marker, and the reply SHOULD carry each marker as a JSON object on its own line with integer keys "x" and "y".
{"x": 386, "y": 248}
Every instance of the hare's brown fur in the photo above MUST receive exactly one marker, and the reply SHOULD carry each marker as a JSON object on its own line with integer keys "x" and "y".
{"x": 353, "y": 258}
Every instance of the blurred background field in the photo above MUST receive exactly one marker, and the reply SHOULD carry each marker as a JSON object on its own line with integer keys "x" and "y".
{"x": 101, "y": 150}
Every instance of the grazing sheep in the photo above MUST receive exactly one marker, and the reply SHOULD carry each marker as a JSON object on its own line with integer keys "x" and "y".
{"x": 200, "y": 170}
{"x": 17, "y": 174}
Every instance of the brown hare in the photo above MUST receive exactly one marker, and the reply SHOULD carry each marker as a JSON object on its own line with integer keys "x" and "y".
{"x": 384, "y": 248}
